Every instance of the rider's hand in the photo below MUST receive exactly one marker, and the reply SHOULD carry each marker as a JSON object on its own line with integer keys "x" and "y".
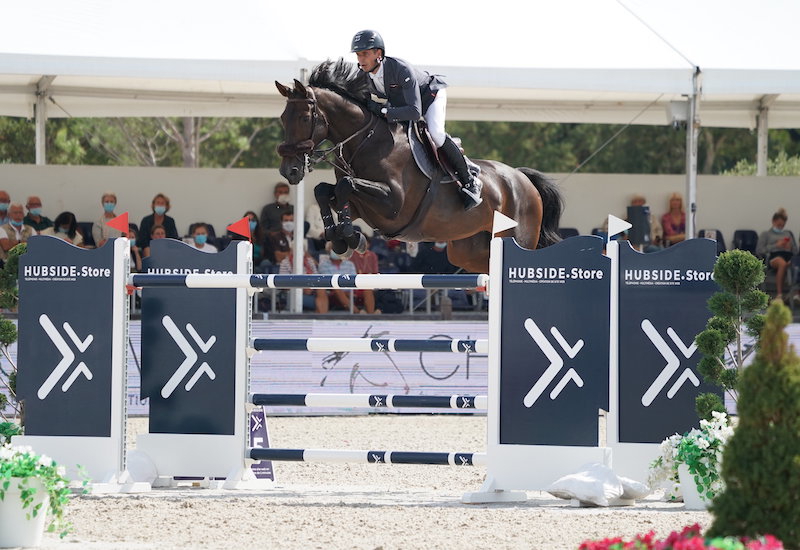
{"x": 375, "y": 108}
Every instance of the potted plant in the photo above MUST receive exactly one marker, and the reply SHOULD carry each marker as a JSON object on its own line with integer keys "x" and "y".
{"x": 31, "y": 487}
{"x": 698, "y": 453}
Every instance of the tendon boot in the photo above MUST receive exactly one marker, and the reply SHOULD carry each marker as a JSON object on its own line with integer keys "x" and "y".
{"x": 470, "y": 185}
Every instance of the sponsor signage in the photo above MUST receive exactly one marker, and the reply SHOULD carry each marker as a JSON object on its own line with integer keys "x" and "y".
{"x": 65, "y": 346}
{"x": 188, "y": 344}
{"x": 662, "y": 307}
{"x": 555, "y": 335}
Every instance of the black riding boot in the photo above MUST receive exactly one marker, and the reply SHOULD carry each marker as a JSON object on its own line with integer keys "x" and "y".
{"x": 470, "y": 185}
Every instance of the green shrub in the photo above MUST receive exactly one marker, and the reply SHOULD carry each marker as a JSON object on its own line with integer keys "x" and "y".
{"x": 761, "y": 462}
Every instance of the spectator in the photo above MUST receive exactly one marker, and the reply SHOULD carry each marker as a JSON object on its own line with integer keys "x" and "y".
{"x": 316, "y": 299}
{"x": 316, "y": 229}
{"x": 15, "y": 231}
{"x": 432, "y": 258}
{"x": 656, "y": 231}
{"x": 160, "y": 206}
{"x": 366, "y": 263}
{"x": 100, "y": 231}
{"x": 5, "y": 200}
{"x": 65, "y": 227}
{"x": 156, "y": 232}
{"x": 673, "y": 222}
{"x": 279, "y": 243}
{"x": 34, "y": 217}
{"x": 200, "y": 238}
{"x": 136, "y": 252}
{"x": 271, "y": 213}
{"x": 777, "y": 246}
{"x": 333, "y": 264}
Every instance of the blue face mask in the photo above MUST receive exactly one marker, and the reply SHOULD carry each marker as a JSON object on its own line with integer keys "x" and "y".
{"x": 109, "y": 206}
{"x": 16, "y": 223}
{"x": 777, "y": 229}
{"x": 253, "y": 225}
{"x": 3, "y": 206}
{"x": 63, "y": 229}
{"x": 35, "y": 211}
{"x": 160, "y": 210}
{"x": 200, "y": 239}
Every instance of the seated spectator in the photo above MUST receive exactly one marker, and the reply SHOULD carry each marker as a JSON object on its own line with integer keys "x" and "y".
{"x": 136, "y": 252}
{"x": 34, "y": 218}
{"x": 160, "y": 206}
{"x": 200, "y": 238}
{"x": 279, "y": 243}
{"x": 432, "y": 258}
{"x": 316, "y": 229}
{"x": 156, "y": 232}
{"x": 15, "y": 231}
{"x": 5, "y": 200}
{"x": 313, "y": 299}
{"x": 366, "y": 263}
{"x": 673, "y": 223}
{"x": 777, "y": 246}
{"x": 100, "y": 231}
{"x": 65, "y": 227}
{"x": 271, "y": 213}
{"x": 257, "y": 239}
{"x": 333, "y": 264}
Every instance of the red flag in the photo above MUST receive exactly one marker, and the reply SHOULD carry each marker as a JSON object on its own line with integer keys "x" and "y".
{"x": 120, "y": 223}
{"x": 242, "y": 227}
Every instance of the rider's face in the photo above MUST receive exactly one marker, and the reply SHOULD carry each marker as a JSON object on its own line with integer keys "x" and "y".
{"x": 368, "y": 60}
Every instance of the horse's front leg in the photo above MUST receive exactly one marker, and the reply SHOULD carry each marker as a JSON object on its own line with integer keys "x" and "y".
{"x": 325, "y": 194}
{"x": 345, "y": 230}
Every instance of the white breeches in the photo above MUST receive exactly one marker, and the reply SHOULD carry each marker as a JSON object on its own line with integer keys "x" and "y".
{"x": 434, "y": 118}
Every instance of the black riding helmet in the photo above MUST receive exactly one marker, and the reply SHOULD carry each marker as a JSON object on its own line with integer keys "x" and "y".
{"x": 367, "y": 40}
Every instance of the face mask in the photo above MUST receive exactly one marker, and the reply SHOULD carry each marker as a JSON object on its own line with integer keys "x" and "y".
{"x": 283, "y": 199}
{"x": 3, "y": 206}
{"x": 109, "y": 206}
{"x": 35, "y": 211}
{"x": 253, "y": 226}
{"x": 288, "y": 226}
{"x": 16, "y": 223}
{"x": 200, "y": 239}
{"x": 776, "y": 229}
{"x": 63, "y": 229}
{"x": 160, "y": 210}
{"x": 335, "y": 256}
{"x": 440, "y": 245}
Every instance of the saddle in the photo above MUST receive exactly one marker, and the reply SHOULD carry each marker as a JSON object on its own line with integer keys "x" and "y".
{"x": 427, "y": 157}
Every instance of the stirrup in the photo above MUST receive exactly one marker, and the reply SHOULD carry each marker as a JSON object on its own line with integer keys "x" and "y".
{"x": 472, "y": 198}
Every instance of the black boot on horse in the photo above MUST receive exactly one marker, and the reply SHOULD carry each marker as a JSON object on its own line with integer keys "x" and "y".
{"x": 470, "y": 185}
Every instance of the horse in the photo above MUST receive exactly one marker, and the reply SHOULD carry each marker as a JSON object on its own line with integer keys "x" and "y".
{"x": 379, "y": 181}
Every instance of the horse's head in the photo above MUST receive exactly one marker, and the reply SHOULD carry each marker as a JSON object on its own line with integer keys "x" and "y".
{"x": 304, "y": 127}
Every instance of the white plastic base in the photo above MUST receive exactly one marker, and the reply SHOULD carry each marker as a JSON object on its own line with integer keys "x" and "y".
{"x": 633, "y": 460}
{"x": 489, "y": 494}
{"x": 191, "y": 455}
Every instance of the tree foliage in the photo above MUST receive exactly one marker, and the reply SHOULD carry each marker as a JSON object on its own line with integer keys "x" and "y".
{"x": 761, "y": 462}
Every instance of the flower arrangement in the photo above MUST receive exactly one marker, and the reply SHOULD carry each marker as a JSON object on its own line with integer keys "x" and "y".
{"x": 689, "y": 538}
{"x": 21, "y": 465}
{"x": 701, "y": 451}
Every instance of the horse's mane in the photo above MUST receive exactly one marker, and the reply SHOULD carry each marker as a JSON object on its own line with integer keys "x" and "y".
{"x": 343, "y": 78}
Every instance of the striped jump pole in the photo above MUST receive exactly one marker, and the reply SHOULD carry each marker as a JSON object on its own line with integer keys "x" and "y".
{"x": 369, "y": 345}
{"x": 349, "y": 400}
{"x": 400, "y": 281}
{"x": 368, "y": 457}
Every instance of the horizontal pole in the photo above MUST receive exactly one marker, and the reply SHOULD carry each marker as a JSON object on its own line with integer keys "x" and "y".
{"x": 370, "y": 345}
{"x": 350, "y": 400}
{"x": 368, "y": 457}
{"x": 373, "y": 281}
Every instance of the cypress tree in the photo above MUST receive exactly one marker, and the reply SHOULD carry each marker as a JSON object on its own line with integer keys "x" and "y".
{"x": 761, "y": 462}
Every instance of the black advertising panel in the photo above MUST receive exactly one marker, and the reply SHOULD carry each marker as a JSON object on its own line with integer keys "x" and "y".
{"x": 554, "y": 343}
{"x": 662, "y": 307}
{"x": 65, "y": 351}
{"x": 189, "y": 344}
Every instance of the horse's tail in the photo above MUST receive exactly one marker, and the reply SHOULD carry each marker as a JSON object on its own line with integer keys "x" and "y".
{"x": 552, "y": 206}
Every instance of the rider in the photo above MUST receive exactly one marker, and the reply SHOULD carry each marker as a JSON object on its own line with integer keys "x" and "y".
{"x": 405, "y": 93}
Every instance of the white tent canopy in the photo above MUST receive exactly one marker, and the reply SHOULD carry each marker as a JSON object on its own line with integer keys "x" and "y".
{"x": 601, "y": 61}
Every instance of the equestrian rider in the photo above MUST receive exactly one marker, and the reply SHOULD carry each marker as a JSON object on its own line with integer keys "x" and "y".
{"x": 405, "y": 93}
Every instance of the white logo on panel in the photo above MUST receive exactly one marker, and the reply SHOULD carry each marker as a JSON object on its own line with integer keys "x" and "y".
{"x": 672, "y": 363}
{"x": 67, "y": 357}
{"x": 191, "y": 357}
{"x": 556, "y": 363}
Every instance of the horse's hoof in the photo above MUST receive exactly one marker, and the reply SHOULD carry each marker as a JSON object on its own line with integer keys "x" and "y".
{"x": 354, "y": 241}
{"x": 346, "y": 254}
{"x": 340, "y": 247}
{"x": 362, "y": 244}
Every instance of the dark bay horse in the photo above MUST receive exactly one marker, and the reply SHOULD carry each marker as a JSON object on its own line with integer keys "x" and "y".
{"x": 379, "y": 181}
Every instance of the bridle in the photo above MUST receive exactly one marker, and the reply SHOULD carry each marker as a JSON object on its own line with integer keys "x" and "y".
{"x": 305, "y": 150}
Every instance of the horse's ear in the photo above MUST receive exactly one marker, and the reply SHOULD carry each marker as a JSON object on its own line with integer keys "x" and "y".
{"x": 282, "y": 89}
{"x": 300, "y": 89}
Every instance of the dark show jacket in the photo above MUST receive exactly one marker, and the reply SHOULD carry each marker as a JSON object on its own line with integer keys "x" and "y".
{"x": 410, "y": 91}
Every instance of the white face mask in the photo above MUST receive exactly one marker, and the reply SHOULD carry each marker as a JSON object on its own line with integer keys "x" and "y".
{"x": 440, "y": 245}
{"x": 288, "y": 226}
{"x": 283, "y": 199}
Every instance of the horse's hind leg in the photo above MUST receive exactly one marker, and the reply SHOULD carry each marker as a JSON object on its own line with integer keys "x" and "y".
{"x": 325, "y": 193}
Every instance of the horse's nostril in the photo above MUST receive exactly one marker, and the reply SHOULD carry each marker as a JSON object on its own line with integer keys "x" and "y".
{"x": 294, "y": 170}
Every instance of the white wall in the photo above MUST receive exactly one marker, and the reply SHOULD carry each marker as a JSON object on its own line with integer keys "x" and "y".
{"x": 220, "y": 196}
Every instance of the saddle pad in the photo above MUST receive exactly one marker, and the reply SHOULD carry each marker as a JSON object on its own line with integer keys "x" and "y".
{"x": 420, "y": 152}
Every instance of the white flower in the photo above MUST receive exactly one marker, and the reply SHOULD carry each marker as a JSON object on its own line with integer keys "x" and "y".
{"x": 45, "y": 461}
